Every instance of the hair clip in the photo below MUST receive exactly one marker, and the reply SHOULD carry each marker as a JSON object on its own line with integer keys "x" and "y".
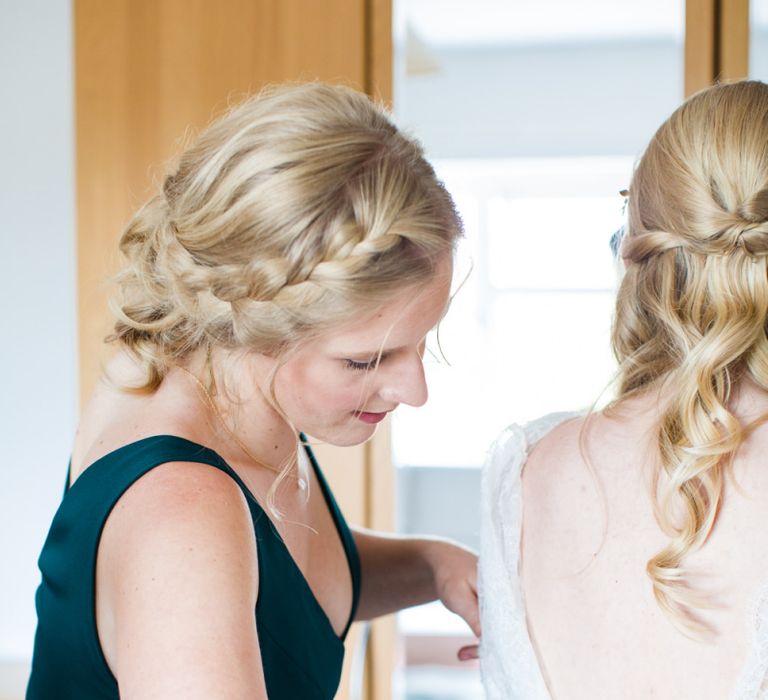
{"x": 615, "y": 241}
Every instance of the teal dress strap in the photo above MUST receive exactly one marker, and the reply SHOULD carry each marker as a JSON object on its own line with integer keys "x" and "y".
{"x": 301, "y": 654}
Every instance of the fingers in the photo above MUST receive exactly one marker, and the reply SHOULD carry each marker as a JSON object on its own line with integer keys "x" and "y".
{"x": 456, "y": 578}
{"x": 468, "y": 653}
{"x": 466, "y": 606}
{"x": 473, "y": 619}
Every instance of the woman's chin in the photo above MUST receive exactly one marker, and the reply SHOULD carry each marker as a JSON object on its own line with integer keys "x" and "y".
{"x": 354, "y": 433}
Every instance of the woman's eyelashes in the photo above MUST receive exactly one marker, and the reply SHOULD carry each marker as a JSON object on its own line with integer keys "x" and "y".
{"x": 363, "y": 365}
{"x": 374, "y": 362}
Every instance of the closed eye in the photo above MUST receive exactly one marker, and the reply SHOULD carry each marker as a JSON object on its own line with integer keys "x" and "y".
{"x": 362, "y": 366}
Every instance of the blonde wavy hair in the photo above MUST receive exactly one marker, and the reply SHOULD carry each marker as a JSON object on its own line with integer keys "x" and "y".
{"x": 692, "y": 308}
{"x": 296, "y": 211}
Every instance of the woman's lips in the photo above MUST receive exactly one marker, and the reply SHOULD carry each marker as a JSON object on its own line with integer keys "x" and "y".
{"x": 368, "y": 417}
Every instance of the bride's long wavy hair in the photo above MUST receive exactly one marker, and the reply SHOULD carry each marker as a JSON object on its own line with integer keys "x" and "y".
{"x": 691, "y": 310}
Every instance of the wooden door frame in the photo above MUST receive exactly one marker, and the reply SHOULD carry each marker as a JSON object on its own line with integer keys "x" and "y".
{"x": 716, "y": 42}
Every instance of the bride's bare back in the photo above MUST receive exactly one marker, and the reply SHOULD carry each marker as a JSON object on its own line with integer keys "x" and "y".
{"x": 592, "y": 616}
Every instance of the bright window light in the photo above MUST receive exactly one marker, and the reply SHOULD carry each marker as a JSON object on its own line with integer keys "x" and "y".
{"x": 528, "y": 331}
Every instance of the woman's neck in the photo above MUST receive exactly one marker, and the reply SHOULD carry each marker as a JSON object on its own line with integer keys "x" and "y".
{"x": 233, "y": 393}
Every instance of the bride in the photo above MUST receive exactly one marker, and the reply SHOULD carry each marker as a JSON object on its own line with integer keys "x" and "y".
{"x": 624, "y": 552}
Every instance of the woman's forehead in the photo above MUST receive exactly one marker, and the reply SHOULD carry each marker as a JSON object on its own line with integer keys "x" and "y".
{"x": 403, "y": 321}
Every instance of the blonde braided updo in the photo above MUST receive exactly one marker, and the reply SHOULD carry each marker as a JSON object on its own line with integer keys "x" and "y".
{"x": 296, "y": 211}
{"x": 692, "y": 308}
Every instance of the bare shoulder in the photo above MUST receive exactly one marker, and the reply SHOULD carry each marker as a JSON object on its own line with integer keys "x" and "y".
{"x": 553, "y": 439}
{"x": 556, "y": 466}
{"x": 562, "y": 500}
{"x": 533, "y": 450}
{"x": 177, "y": 583}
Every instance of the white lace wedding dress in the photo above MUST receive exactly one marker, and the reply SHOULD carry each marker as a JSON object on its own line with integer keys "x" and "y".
{"x": 509, "y": 666}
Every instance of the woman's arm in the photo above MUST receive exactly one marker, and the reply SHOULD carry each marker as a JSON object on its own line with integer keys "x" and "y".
{"x": 177, "y": 582}
{"x": 398, "y": 572}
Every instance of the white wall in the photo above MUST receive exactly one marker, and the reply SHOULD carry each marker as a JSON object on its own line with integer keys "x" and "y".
{"x": 37, "y": 298}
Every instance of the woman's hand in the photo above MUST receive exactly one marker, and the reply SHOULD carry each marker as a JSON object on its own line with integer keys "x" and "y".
{"x": 455, "y": 572}
{"x": 398, "y": 572}
{"x": 454, "y": 569}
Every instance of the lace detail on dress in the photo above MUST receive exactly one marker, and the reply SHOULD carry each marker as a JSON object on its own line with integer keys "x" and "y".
{"x": 508, "y": 662}
{"x": 753, "y": 680}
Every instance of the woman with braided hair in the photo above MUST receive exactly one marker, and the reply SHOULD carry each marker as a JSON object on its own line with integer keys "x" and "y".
{"x": 624, "y": 552}
{"x": 277, "y": 290}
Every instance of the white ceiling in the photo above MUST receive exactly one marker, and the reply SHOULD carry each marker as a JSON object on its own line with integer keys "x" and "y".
{"x": 472, "y": 22}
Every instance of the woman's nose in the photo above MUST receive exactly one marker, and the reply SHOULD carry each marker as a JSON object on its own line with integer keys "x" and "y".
{"x": 406, "y": 382}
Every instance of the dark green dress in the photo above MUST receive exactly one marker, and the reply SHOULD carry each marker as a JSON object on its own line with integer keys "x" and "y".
{"x": 301, "y": 654}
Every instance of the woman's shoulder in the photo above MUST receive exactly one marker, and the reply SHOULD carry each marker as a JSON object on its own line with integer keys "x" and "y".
{"x": 501, "y": 481}
{"x": 517, "y": 440}
{"x": 528, "y": 462}
{"x": 178, "y": 511}
{"x": 184, "y": 487}
{"x": 160, "y": 468}
{"x": 177, "y": 569}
